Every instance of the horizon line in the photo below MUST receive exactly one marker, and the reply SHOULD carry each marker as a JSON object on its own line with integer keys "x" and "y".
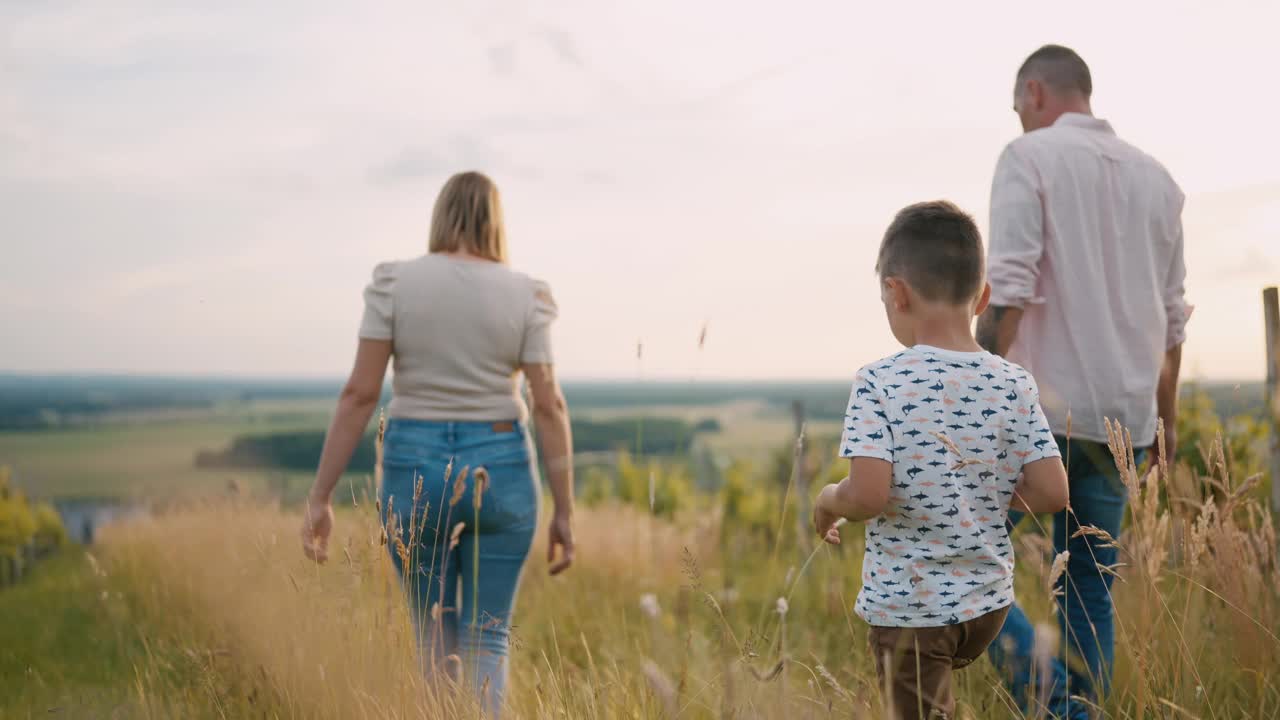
{"x": 338, "y": 379}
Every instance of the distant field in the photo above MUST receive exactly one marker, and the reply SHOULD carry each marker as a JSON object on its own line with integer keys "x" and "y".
{"x": 138, "y": 437}
{"x": 140, "y": 457}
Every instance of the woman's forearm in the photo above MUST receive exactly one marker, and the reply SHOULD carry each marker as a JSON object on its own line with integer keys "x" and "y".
{"x": 556, "y": 443}
{"x": 340, "y": 442}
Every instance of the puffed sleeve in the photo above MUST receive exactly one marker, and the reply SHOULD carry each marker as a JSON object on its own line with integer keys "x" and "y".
{"x": 536, "y": 347}
{"x": 379, "y": 303}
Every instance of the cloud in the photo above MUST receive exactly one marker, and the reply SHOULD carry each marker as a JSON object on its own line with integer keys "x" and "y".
{"x": 562, "y": 43}
{"x": 502, "y": 58}
{"x": 416, "y": 163}
{"x": 408, "y": 165}
{"x": 1251, "y": 264}
{"x": 170, "y": 164}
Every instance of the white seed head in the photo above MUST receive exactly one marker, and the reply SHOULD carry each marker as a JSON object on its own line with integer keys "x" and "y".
{"x": 649, "y": 605}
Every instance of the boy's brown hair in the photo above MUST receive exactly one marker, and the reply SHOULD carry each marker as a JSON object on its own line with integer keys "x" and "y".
{"x": 937, "y": 249}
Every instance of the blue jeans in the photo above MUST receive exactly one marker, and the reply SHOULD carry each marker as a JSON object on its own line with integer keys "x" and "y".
{"x": 1085, "y": 613}
{"x": 461, "y": 596}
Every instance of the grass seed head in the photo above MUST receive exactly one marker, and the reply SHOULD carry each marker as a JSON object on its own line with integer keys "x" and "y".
{"x": 459, "y": 486}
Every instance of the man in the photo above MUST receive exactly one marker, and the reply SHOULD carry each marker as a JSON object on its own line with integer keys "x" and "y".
{"x": 1086, "y": 270}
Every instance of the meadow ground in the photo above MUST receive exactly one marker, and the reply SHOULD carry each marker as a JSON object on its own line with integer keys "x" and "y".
{"x": 210, "y": 610}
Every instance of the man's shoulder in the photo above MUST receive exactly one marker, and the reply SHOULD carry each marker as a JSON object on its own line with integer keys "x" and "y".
{"x": 1064, "y": 137}
{"x": 1047, "y": 139}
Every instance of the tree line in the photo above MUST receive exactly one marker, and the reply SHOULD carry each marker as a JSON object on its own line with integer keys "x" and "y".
{"x": 28, "y": 531}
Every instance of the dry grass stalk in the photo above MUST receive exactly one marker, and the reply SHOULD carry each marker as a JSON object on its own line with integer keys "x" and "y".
{"x": 459, "y": 486}
{"x": 947, "y": 443}
{"x": 1092, "y": 531}
{"x": 661, "y": 686}
{"x": 1199, "y": 639}
{"x": 1055, "y": 573}
{"x": 481, "y": 486}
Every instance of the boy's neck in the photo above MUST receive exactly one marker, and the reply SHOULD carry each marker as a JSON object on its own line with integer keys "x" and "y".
{"x": 947, "y": 330}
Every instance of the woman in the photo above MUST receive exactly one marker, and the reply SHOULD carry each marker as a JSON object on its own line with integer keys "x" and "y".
{"x": 462, "y": 327}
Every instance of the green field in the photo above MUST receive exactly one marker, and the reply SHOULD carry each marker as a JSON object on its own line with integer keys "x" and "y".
{"x": 146, "y": 454}
{"x": 145, "y": 457}
{"x": 138, "y": 438}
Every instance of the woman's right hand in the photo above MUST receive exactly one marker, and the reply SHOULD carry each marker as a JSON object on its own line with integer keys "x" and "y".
{"x": 317, "y": 524}
{"x": 560, "y": 536}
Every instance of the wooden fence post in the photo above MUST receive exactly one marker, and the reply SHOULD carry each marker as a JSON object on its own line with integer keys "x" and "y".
{"x": 1271, "y": 314}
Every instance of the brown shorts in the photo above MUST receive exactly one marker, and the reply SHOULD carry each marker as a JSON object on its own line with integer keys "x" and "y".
{"x": 919, "y": 662}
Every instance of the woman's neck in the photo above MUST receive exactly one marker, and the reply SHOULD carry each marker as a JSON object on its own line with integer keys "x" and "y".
{"x": 464, "y": 255}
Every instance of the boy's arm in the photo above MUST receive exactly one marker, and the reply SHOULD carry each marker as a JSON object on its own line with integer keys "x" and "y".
{"x": 862, "y": 495}
{"x": 1043, "y": 487}
{"x": 867, "y": 441}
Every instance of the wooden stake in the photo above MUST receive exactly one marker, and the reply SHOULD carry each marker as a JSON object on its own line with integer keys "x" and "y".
{"x": 1271, "y": 314}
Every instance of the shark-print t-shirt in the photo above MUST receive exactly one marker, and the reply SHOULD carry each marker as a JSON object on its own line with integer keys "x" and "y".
{"x": 958, "y": 427}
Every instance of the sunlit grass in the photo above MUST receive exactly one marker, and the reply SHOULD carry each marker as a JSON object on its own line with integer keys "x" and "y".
{"x": 210, "y": 610}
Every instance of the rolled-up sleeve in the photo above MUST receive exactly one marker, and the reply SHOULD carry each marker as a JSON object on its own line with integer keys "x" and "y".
{"x": 1016, "y": 238}
{"x": 536, "y": 346}
{"x": 1176, "y": 309}
{"x": 379, "y": 304}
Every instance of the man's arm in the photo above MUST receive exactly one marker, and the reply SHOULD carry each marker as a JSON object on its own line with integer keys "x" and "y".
{"x": 1177, "y": 312}
{"x": 997, "y": 328}
{"x": 1167, "y": 399}
{"x": 1015, "y": 246}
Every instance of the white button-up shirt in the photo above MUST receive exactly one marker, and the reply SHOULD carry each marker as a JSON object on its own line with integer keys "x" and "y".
{"x": 1086, "y": 238}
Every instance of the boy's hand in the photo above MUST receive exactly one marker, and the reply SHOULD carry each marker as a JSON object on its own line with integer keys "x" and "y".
{"x": 826, "y": 522}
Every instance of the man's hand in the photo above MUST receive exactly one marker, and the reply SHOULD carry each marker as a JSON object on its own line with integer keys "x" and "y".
{"x": 1167, "y": 401}
{"x": 317, "y": 525}
{"x": 826, "y": 522}
{"x": 997, "y": 328}
{"x": 1170, "y": 442}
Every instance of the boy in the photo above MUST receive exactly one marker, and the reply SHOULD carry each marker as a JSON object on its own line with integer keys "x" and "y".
{"x": 943, "y": 438}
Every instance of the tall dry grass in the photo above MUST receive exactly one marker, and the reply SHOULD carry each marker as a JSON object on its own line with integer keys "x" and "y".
{"x": 663, "y": 619}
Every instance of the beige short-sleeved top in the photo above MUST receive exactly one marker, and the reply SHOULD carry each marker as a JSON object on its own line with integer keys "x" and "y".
{"x": 460, "y": 330}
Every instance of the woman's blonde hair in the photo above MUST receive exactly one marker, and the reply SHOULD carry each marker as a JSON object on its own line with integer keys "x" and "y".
{"x": 468, "y": 218}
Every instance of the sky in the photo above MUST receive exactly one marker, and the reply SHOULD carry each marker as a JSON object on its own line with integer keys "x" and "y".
{"x": 204, "y": 188}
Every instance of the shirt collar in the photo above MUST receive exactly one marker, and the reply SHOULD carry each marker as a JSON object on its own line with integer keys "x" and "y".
{"x": 1087, "y": 122}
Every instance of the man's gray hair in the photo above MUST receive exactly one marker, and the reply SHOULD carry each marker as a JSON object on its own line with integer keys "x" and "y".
{"x": 1058, "y": 67}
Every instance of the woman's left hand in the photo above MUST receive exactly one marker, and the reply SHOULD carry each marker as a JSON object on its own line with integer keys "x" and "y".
{"x": 317, "y": 524}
